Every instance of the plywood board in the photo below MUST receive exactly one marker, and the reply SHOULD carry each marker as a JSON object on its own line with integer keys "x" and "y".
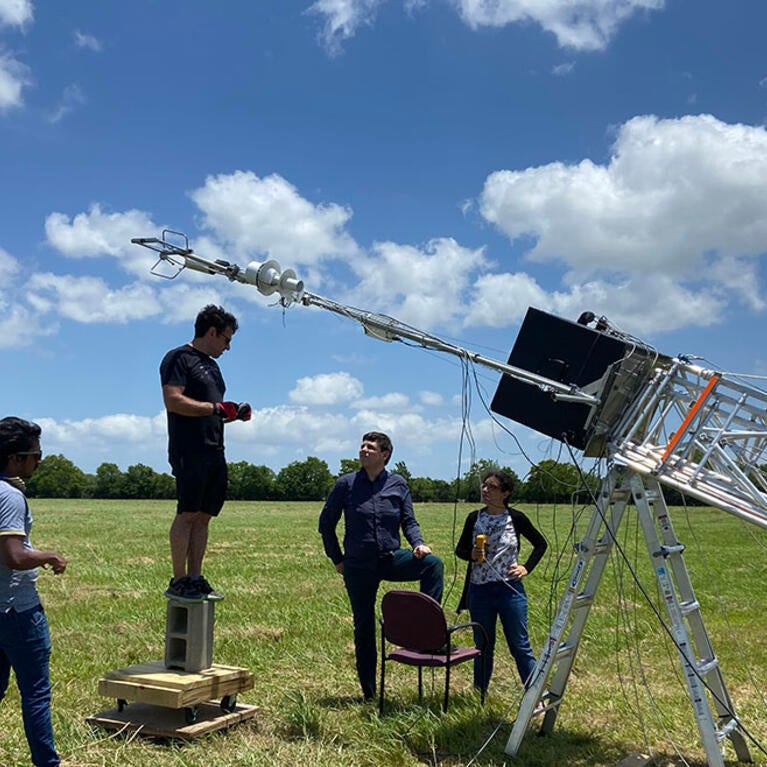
{"x": 159, "y": 722}
{"x": 153, "y": 683}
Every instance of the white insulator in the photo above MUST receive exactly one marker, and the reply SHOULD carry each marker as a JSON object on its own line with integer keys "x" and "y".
{"x": 265, "y": 276}
{"x": 289, "y": 284}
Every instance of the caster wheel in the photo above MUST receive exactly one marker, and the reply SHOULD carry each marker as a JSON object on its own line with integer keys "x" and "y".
{"x": 121, "y": 704}
{"x": 228, "y": 703}
{"x": 190, "y": 714}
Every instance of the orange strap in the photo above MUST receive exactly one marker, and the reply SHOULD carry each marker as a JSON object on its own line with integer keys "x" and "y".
{"x": 693, "y": 412}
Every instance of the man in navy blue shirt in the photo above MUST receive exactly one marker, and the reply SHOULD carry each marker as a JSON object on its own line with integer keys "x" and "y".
{"x": 376, "y": 505}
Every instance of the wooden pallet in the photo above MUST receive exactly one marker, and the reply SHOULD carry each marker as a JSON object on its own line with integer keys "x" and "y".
{"x": 160, "y": 722}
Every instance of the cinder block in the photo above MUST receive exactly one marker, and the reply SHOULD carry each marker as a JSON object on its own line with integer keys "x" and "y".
{"x": 189, "y": 635}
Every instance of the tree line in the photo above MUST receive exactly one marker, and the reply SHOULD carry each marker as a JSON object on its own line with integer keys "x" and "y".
{"x": 309, "y": 480}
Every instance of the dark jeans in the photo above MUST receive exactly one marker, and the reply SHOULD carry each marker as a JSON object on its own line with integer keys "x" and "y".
{"x": 362, "y": 580}
{"x": 507, "y": 601}
{"x": 25, "y": 647}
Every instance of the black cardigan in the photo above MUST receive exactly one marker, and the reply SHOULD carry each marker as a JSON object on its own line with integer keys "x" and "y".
{"x": 523, "y": 527}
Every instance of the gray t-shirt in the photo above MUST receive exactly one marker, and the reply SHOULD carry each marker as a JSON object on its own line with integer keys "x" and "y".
{"x": 17, "y": 587}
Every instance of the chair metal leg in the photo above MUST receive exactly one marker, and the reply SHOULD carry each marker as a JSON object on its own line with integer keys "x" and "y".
{"x": 483, "y": 688}
{"x": 420, "y": 684}
{"x": 381, "y": 691}
{"x": 383, "y": 674}
{"x": 447, "y": 686}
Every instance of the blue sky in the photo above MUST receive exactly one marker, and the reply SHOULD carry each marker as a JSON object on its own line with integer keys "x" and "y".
{"x": 447, "y": 162}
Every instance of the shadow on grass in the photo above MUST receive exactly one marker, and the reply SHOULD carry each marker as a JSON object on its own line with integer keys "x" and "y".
{"x": 470, "y": 733}
{"x": 345, "y": 701}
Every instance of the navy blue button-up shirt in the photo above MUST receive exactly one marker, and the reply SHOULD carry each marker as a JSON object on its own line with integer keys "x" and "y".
{"x": 373, "y": 513}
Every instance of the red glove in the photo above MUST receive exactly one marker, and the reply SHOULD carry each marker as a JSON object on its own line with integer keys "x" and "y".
{"x": 226, "y": 410}
{"x": 244, "y": 412}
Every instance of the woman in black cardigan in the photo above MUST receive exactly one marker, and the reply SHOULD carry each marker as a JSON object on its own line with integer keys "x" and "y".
{"x": 493, "y": 587}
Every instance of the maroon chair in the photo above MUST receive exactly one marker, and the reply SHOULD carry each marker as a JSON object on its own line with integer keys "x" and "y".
{"x": 416, "y": 624}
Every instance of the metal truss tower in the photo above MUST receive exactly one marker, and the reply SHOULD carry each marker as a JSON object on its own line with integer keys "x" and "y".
{"x": 701, "y": 433}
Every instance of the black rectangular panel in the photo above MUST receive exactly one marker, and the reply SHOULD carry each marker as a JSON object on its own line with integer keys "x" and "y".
{"x": 563, "y": 351}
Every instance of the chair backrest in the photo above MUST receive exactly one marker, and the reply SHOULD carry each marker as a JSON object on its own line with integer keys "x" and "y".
{"x": 413, "y": 620}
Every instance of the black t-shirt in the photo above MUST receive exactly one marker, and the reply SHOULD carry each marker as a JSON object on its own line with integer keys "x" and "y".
{"x": 201, "y": 378}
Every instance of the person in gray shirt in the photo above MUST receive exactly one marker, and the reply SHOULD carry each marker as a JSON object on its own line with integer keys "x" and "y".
{"x": 25, "y": 643}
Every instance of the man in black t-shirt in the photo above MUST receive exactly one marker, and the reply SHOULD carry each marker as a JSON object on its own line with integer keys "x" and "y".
{"x": 193, "y": 391}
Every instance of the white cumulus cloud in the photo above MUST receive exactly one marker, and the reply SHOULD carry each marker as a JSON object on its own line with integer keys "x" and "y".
{"x": 20, "y": 326}
{"x": 579, "y": 24}
{"x": 431, "y": 398}
{"x": 89, "y": 299}
{"x": 298, "y": 428}
{"x": 8, "y": 264}
{"x": 133, "y": 433}
{"x": 641, "y": 305}
{"x": 15, "y": 13}
{"x": 676, "y": 215}
{"x": 123, "y": 426}
{"x": 97, "y": 233}
{"x": 342, "y": 19}
{"x": 586, "y": 25}
{"x": 412, "y": 433}
{"x": 14, "y": 76}
{"x": 268, "y": 216}
{"x": 423, "y": 286}
{"x": 391, "y": 402}
{"x": 326, "y": 389}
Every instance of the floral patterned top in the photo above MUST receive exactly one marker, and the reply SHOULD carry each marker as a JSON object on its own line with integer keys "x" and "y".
{"x": 501, "y": 548}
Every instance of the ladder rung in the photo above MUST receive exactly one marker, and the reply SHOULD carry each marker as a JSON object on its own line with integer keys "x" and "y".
{"x": 666, "y": 551}
{"x": 703, "y": 667}
{"x": 582, "y": 600}
{"x": 689, "y": 607}
{"x": 565, "y": 651}
{"x": 545, "y": 702}
{"x": 727, "y": 728}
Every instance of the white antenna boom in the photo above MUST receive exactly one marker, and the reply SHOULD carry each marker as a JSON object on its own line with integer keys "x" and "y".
{"x": 270, "y": 279}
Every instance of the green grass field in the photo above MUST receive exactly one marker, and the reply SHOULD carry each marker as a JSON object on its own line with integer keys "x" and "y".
{"x": 286, "y": 618}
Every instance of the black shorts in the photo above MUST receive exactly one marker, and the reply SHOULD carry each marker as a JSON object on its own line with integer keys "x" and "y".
{"x": 200, "y": 481}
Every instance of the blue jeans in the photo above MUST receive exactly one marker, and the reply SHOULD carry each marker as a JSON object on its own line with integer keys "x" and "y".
{"x": 362, "y": 580}
{"x": 507, "y": 601}
{"x": 25, "y": 647}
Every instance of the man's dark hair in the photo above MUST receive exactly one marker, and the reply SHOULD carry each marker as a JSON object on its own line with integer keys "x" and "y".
{"x": 505, "y": 480}
{"x": 16, "y": 436}
{"x": 381, "y": 439}
{"x": 212, "y": 316}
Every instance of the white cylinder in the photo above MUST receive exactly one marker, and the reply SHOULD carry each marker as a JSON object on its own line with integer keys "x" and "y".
{"x": 265, "y": 276}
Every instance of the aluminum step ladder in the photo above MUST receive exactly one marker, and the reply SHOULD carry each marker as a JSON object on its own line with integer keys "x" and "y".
{"x": 703, "y": 676}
